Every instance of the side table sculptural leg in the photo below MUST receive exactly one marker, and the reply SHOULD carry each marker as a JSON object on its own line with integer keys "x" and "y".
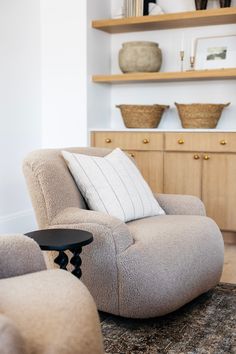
{"x": 76, "y": 261}
{"x": 62, "y": 260}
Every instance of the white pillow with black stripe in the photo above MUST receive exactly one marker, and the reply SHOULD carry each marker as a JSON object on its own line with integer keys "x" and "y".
{"x": 113, "y": 184}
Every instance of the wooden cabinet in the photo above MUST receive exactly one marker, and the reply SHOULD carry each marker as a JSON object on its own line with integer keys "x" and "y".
{"x": 182, "y": 173}
{"x": 219, "y": 189}
{"x": 144, "y": 147}
{"x": 200, "y": 164}
{"x": 152, "y": 172}
{"x": 204, "y": 164}
{"x": 209, "y": 176}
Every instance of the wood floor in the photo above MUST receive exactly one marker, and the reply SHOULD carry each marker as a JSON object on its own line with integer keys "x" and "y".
{"x": 229, "y": 272}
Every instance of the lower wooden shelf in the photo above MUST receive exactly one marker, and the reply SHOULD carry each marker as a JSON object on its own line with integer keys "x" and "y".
{"x": 219, "y": 74}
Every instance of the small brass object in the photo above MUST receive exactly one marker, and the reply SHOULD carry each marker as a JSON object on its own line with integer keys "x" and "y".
{"x": 223, "y": 142}
{"x": 196, "y": 157}
{"x": 146, "y": 141}
{"x": 206, "y": 157}
{"x": 108, "y": 141}
{"x": 181, "y": 141}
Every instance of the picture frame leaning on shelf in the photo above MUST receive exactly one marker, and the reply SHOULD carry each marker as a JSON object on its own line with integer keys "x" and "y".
{"x": 215, "y": 52}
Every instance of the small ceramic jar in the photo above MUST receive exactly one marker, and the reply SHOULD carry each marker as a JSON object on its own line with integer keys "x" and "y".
{"x": 140, "y": 57}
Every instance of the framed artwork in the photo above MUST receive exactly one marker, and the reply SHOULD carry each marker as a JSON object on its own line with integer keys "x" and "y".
{"x": 215, "y": 52}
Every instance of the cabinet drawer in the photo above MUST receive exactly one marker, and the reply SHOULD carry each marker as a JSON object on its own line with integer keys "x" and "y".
{"x": 218, "y": 142}
{"x": 128, "y": 141}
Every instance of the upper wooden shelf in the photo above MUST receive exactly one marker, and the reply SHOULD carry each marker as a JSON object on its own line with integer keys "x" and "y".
{"x": 218, "y": 16}
{"x": 221, "y": 74}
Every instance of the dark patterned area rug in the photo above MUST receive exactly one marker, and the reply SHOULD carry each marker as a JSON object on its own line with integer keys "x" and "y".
{"x": 207, "y": 325}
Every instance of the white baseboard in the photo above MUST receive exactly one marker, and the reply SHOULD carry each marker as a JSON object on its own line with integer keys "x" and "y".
{"x": 20, "y": 222}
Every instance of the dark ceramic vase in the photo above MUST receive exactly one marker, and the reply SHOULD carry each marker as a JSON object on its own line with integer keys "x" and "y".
{"x": 225, "y": 3}
{"x": 201, "y": 4}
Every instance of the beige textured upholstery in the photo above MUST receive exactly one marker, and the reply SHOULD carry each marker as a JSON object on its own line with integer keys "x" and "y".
{"x": 174, "y": 204}
{"x": 11, "y": 341}
{"x": 19, "y": 256}
{"x": 145, "y": 268}
{"x": 43, "y": 311}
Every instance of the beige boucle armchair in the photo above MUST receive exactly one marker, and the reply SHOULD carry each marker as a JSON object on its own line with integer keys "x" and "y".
{"x": 43, "y": 311}
{"x": 144, "y": 268}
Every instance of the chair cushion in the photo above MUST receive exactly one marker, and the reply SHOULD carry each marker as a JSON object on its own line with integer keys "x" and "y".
{"x": 11, "y": 340}
{"x": 168, "y": 228}
{"x": 174, "y": 259}
{"x": 113, "y": 185}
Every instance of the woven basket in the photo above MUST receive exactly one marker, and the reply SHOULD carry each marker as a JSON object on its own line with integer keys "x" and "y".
{"x": 198, "y": 115}
{"x": 141, "y": 116}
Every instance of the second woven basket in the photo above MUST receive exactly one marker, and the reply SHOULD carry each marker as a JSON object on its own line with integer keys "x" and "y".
{"x": 200, "y": 115}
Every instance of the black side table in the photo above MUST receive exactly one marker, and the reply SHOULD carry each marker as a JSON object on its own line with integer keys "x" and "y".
{"x": 61, "y": 240}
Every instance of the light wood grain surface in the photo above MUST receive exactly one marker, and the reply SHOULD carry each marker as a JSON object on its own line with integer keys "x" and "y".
{"x": 166, "y": 76}
{"x": 204, "y": 142}
{"x": 152, "y": 172}
{"x": 219, "y": 189}
{"x": 229, "y": 271}
{"x": 129, "y": 141}
{"x": 172, "y": 20}
{"x": 182, "y": 173}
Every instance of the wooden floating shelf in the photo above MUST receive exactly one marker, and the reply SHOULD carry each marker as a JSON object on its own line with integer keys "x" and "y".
{"x": 174, "y": 20}
{"x": 221, "y": 74}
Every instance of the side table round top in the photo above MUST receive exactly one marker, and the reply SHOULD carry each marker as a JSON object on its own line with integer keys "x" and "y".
{"x": 60, "y": 239}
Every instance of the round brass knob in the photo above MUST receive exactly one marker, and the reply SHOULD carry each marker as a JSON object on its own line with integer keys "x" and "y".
{"x": 223, "y": 142}
{"x": 206, "y": 157}
{"x": 196, "y": 157}
{"x": 146, "y": 141}
{"x": 181, "y": 141}
{"x": 132, "y": 155}
{"x": 108, "y": 141}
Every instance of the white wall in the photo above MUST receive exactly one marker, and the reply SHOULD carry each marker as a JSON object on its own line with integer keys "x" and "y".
{"x": 64, "y": 72}
{"x": 168, "y": 93}
{"x": 98, "y": 61}
{"x": 20, "y": 107}
{"x": 43, "y": 92}
{"x": 71, "y": 53}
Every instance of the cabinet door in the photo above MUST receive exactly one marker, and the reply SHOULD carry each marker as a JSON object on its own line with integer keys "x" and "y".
{"x": 219, "y": 189}
{"x": 182, "y": 173}
{"x": 150, "y": 164}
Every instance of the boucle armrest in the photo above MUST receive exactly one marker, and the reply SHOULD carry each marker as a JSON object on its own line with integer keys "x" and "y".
{"x": 175, "y": 204}
{"x": 19, "y": 255}
{"x": 54, "y": 312}
{"x": 100, "y": 224}
{"x": 11, "y": 340}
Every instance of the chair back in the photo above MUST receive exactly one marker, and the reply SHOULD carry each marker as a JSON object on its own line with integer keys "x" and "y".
{"x": 50, "y": 184}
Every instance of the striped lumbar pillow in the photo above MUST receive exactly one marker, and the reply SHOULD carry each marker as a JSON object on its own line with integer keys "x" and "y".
{"x": 113, "y": 185}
